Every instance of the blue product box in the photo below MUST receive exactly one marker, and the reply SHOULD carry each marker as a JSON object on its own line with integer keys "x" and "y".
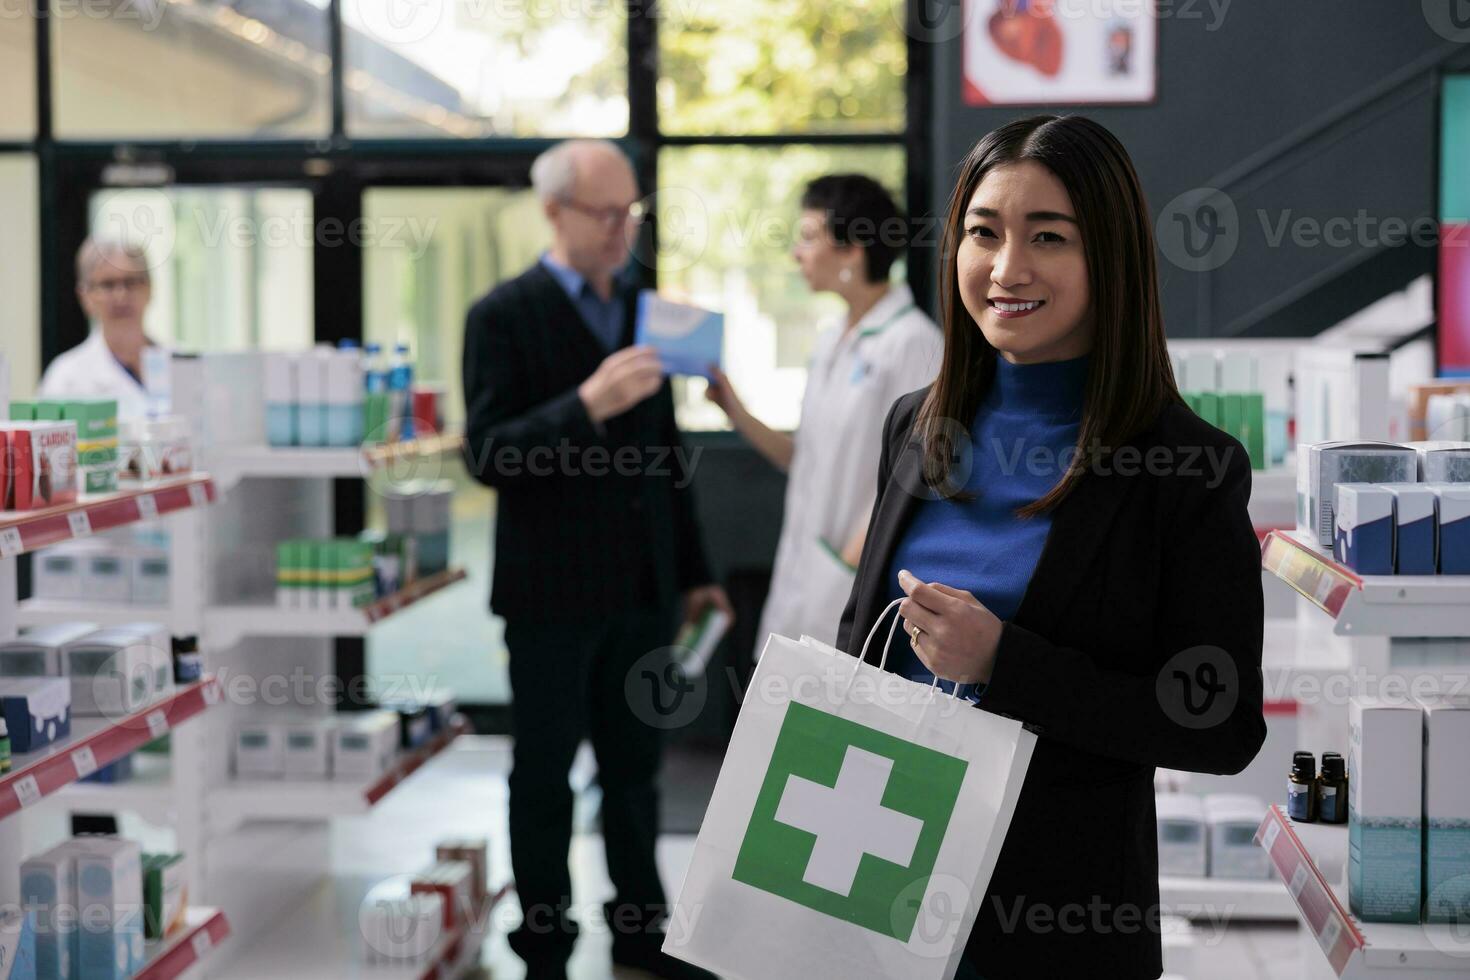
{"x": 281, "y": 425}
{"x": 17, "y": 945}
{"x": 1364, "y": 518}
{"x": 1453, "y": 527}
{"x": 110, "y": 891}
{"x": 48, "y": 891}
{"x": 688, "y": 339}
{"x": 1385, "y": 809}
{"x": 119, "y": 770}
{"x": 1413, "y": 529}
{"x": 343, "y": 424}
{"x": 37, "y": 710}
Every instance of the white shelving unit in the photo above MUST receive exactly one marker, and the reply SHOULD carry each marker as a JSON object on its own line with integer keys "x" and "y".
{"x": 44, "y": 785}
{"x": 271, "y": 494}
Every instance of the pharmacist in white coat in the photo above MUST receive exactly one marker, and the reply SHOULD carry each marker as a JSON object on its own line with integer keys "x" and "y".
{"x": 114, "y": 288}
{"x": 850, "y": 235}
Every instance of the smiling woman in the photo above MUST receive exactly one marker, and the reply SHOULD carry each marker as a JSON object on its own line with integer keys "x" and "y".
{"x": 1033, "y": 561}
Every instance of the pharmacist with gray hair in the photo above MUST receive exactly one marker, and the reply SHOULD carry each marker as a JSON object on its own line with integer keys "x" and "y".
{"x": 114, "y": 287}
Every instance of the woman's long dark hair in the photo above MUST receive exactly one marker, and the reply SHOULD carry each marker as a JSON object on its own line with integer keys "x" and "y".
{"x": 1130, "y": 378}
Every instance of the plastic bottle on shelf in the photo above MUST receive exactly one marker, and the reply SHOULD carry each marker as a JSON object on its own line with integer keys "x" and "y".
{"x": 400, "y": 381}
{"x": 377, "y": 371}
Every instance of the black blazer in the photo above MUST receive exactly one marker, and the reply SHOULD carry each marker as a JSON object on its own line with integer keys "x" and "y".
{"x": 589, "y": 521}
{"x": 1136, "y": 569}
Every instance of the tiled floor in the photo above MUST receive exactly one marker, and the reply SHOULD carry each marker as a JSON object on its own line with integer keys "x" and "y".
{"x": 464, "y": 793}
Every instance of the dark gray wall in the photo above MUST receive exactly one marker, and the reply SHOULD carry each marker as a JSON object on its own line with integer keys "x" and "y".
{"x": 1306, "y": 109}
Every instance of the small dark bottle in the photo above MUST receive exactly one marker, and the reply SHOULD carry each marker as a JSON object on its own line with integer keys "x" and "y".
{"x": 1301, "y": 788}
{"x": 1332, "y": 789}
{"x": 188, "y": 664}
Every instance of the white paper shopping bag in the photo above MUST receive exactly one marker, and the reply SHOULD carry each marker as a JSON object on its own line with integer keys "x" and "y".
{"x": 854, "y": 826}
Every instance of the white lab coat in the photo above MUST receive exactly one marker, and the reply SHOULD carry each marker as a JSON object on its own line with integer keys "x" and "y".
{"x": 89, "y": 370}
{"x": 854, "y": 377}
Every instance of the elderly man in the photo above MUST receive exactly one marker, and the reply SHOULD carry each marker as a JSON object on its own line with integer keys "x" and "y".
{"x": 596, "y": 549}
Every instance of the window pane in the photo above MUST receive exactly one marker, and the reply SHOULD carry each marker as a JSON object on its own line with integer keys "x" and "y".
{"x": 781, "y": 66}
{"x": 452, "y": 245}
{"x": 201, "y": 69}
{"x": 472, "y": 68}
{"x": 232, "y": 266}
{"x": 727, "y": 220}
{"x": 17, "y": 72}
{"x": 20, "y": 271}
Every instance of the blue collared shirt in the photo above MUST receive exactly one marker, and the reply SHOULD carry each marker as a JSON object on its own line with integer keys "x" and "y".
{"x": 605, "y": 318}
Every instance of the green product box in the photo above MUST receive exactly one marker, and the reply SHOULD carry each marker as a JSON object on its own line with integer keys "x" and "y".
{"x": 48, "y": 411}
{"x": 1253, "y": 424}
{"x": 1230, "y": 415}
{"x": 96, "y": 418}
{"x": 1209, "y": 407}
{"x": 165, "y": 893}
{"x": 97, "y": 479}
{"x": 22, "y": 411}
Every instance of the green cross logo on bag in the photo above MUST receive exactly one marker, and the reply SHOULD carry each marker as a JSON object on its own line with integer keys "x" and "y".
{"x": 849, "y": 821}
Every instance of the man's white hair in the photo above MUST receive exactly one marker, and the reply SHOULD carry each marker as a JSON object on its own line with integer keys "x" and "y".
{"x": 554, "y": 174}
{"x": 116, "y": 252}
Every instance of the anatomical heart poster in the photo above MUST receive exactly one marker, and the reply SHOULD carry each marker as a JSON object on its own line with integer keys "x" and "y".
{"x": 1074, "y": 52}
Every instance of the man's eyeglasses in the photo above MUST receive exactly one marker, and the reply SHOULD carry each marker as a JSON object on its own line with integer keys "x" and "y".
{"x": 123, "y": 284}
{"x": 633, "y": 214}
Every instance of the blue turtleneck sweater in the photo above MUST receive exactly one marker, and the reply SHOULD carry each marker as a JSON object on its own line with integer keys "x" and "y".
{"x": 1022, "y": 439}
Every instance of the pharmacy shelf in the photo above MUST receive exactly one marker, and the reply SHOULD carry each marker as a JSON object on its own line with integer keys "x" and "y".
{"x": 243, "y": 800}
{"x": 1369, "y": 605}
{"x": 48, "y": 612}
{"x": 22, "y": 531}
{"x": 96, "y": 742}
{"x": 230, "y": 464}
{"x": 321, "y": 940}
{"x": 1228, "y": 899}
{"x": 175, "y": 954}
{"x": 226, "y": 625}
{"x": 1310, "y": 859}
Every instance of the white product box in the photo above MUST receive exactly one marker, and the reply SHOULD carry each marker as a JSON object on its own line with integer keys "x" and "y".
{"x": 1238, "y": 374}
{"x": 1453, "y": 528}
{"x": 1364, "y": 516}
{"x": 48, "y": 884}
{"x": 110, "y": 897}
{"x": 307, "y": 749}
{"x": 1385, "y": 809}
{"x": 107, "y": 576}
{"x": 345, "y": 377}
{"x": 111, "y": 672}
{"x": 401, "y": 928}
{"x": 1320, "y": 467}
{"x": 474, "y": 851}
{"x": 1446, "y": 808}
{"x": 158, "y": 642}
{"x": 311, "y": 395}
{"x": 1413, "y": 528}
{"x": 1201, "y": 372}
{"x": 1447, "y": 417}
{"x": 57, "y": 572}
{"x": 1442, "y": 461}
{"x": 454, "y": 881}
{"x": 1183, "y": 841}
{"x": 1233, "y": 820}
{"x": 37, "y": 652}
{"x": 364, "y": 746}
{"x": 149, "y": 577}
{"x": 260, "y": 750}
{"x": 282, "y": 396}
{"x": 234, "y": 396}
